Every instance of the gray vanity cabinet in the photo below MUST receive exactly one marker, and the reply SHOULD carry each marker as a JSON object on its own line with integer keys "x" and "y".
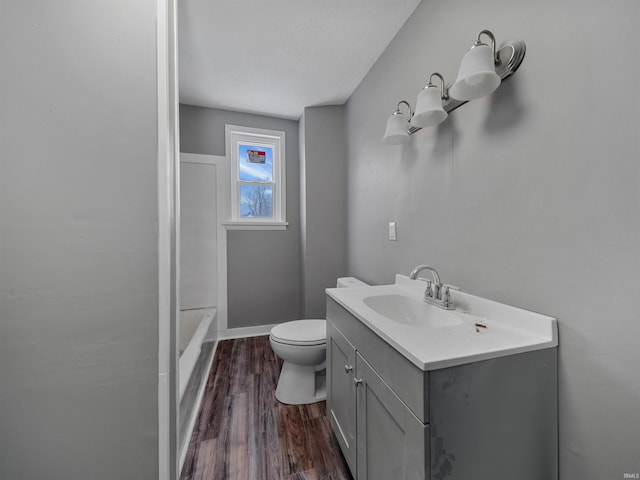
{"x": 494, "y": 419}
{"x": 380, "y": 437}
{"x": 341, "y": 408}
{"x": 390, "y": 439}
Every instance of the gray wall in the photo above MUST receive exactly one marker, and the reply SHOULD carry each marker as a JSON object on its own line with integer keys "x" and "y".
{"x": 530, "y": 196}
{"x": 263, "y": 269}
{"x": 198, "y": 236}
{"x": 78, "y": 240}
{"x": 322, "y": 200}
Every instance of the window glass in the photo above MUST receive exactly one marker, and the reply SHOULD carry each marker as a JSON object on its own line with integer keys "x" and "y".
{"x": 256, "y": 201}
{"x": 255, "y": 163}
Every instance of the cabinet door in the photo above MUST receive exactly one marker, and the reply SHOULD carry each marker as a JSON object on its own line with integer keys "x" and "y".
{"x": 391, "y": 440}
{"x": 341, "y": 394}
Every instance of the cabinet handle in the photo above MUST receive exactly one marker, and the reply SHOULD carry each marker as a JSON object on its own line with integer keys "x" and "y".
{"x": 357, "y": 381}
{"x": 348, "y": 368}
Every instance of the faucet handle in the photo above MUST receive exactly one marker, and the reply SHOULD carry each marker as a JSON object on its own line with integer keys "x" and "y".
{"x": 428, "y": 292}
{"x": 447, "y": 301}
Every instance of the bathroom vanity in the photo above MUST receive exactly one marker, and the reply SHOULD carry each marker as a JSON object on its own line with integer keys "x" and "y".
{"x": 417, "y": 392}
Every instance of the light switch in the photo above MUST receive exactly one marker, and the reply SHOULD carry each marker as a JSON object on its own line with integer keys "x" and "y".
{"x": 392, "y": 231}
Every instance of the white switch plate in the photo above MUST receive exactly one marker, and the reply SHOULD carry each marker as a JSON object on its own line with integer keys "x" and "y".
{"x": 392, "y": 231}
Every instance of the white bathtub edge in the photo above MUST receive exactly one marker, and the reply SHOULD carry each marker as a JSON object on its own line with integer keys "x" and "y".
{"x": 196, "y": 410}
{"x": 190, "y": 355}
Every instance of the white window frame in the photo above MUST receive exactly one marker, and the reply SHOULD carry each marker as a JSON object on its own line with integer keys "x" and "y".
{"x": 235, "y": 136}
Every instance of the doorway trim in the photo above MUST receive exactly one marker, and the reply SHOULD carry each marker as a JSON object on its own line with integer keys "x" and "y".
{"x": 168, "y": 236}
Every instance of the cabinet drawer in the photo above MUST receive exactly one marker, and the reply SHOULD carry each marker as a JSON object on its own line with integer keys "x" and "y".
{"x": 408, "y": 381}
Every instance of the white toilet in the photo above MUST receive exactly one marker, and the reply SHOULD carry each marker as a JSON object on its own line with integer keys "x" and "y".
{"x": 302, "y": 344}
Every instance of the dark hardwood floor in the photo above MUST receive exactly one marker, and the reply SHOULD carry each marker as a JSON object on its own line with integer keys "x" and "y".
{"x": 243, "y": 432}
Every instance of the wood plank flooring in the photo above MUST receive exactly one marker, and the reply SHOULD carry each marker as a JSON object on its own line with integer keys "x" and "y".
{"x": 244, "y": 433}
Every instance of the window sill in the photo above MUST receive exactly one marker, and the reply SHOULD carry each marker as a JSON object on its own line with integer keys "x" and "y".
{"x": 255, "y": 225}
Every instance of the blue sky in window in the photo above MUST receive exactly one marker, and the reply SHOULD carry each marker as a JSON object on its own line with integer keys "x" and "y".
{"x": 255, "y": 172}
{"x": 256, "y": 201}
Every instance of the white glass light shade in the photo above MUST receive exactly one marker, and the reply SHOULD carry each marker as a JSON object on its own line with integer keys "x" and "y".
{"x": 429, "y": 110}
{"x": 397, "y": 129}
{"x": 477, "y": 76}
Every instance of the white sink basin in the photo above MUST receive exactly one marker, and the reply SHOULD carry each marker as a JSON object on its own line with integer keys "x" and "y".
{"x": 409, "y": 311}
{"x": 431, "y": 337}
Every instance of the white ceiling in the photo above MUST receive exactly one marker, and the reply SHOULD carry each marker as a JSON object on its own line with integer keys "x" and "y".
{"x": 275, "y": 57}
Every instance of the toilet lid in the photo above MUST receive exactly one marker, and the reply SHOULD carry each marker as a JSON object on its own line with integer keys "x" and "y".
{"x": 301, "y": 332}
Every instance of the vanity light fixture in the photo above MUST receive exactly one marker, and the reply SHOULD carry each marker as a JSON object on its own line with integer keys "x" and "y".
{"x": 477, "y": 76}
{"x": 429, "y": 108}
{"x": 481, "y": 72}
{"x": 397, "y": 126}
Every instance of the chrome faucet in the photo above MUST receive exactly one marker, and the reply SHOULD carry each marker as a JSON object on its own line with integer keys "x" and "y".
{"x": 436, "y": 293}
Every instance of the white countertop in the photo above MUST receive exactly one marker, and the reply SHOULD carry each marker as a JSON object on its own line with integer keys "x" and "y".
{"x": 509, "y": 330}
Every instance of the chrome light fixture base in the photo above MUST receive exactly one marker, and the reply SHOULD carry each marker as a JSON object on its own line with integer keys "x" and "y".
{"x": 510, "y": 57}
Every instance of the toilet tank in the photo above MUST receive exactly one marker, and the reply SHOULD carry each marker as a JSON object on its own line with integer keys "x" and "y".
{"x": 345, "y": 282}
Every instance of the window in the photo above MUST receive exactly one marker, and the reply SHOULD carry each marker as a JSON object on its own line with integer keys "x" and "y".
{"x": 257, "y": 168}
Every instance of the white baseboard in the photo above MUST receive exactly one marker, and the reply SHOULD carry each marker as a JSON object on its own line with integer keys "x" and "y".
{"x": 245, "y": 332}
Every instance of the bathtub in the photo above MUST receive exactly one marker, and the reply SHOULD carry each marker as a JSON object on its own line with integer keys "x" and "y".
{"x": 194, "y": 325}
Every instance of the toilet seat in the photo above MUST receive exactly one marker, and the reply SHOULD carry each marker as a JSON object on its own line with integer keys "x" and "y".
{"x": 301, "y": 332}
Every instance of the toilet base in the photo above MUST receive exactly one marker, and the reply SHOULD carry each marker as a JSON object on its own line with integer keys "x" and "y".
{"x": 301, "y": 384}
